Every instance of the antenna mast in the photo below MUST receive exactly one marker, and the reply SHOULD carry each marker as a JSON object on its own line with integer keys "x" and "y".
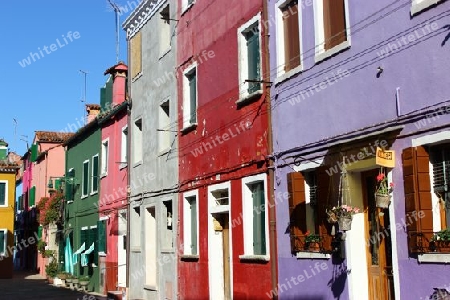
{"x": 84, "y": 94}
{"x": 117, "y": 13}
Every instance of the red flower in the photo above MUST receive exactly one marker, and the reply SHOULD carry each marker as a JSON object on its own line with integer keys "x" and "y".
{"x": 307, "y": 233}
{"x": 380, "y": 177}
{"x": 391, "y": 184}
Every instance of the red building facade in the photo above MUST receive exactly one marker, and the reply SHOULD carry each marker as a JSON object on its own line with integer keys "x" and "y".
{"x": 224, "y": 203}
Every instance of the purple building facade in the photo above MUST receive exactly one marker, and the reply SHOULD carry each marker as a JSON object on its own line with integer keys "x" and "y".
{"x": 350, "y": 78}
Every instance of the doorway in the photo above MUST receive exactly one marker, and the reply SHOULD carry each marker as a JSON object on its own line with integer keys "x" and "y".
{"x": 379, "y": 244}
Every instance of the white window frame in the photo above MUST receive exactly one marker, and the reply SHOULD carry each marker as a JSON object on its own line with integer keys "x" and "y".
{"x": 92, "y": 175}
{"x": 243, "y": 56}
{"x": 138, "y": 156}
{"x": 105, "y": 158}
{"x": 124, "y": 147}
{"x": 187, "y": 223}
{"x": 281, "y": 74}
{"x": 185, "y": 5}
{"x": 320, "y": 52}
{"x": 186, "y": 97}
{"x": 83, "y": 179}
{"x": 73, "y": 188}
{"x": 5, "y": 242}
{"x": 419, "y": 5}
{"x": 247, "y": 213}
{"x": 6, "y": 192}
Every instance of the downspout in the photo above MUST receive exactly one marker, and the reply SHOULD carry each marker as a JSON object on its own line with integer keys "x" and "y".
{"x": 129, "y": 107}
{"x": 272, "y": 216}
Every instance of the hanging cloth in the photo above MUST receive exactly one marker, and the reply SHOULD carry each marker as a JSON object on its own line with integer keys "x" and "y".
{"x": 75, "y": 254}
{"x": 85, "y": 256}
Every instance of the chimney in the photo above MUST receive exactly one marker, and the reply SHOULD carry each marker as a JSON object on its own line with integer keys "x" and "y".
{"x": 3, "y": 150}
{"x": 92, "y": 111}
{"x": 119, "y": 73}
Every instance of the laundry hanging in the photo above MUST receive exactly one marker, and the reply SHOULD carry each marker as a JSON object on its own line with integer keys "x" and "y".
{"x": 75, "y": 254}
{"x": 85, "y": 256}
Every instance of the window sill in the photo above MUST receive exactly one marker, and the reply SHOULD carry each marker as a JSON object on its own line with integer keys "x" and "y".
{"x": 189, "y": 128}
{"x": 150, "y": 287}
{"x": 122, "y": 166}
{"x": 189, "y": 257}
{"x": 330, "y": 52}
{"x": 312, "y": 255}
{"x": 70, "y": 201}
{"x": 248, "y": 98}
{"x": 137, "y": 164}
{"x": 93, "y": 193}
{"x": 135, "y": 250}
{"x": 419, "y": 7}
{"x": 164, "y": 53}
{"x": 139, "y": 75}
{"x": 102, "y": 254}
{"x": 167, "y": 251}
{"x": 164, "y": 152}
{"x": 84, "y": 197}
{"x": 103, "y": 174}
{"x": 443, "y": 258}
{"x": 185, "y": 10}
{"x": 288, "y": 74}
{"x": 255, "y": 258}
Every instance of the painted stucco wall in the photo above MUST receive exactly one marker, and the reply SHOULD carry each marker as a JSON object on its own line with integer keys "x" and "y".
{"x": 158, "y": 170}
{"x": 7, "y": 222}
{"x": 343, "y": 94}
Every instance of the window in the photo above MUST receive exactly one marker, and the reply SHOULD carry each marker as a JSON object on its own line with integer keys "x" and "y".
{"x": 255, "y": 215}
{"x": 3, "y": 193}
{"x": 150, "y": 248}
{"x": 89, "y": 236}
{"x": 331, "y": 27}
{"x": 3, "y": 241}
{"x": 190, "y": 97}
{"x": 249, "y": 36}
{"x": 164, "y": 126}
{"x": 167, "y": 226}
{"x": 136, "y": 54}
{"x": 190, "y": 223}
{"x": 102, "y": 234}
{"x": 186, "y": 4}
{"x": 85, "y": 179}
{"x": 69, "y": 186}
{"x": 105, "y": 157}
{"x": 94, "y": 178}
{"x": 164, "y": 31}
{"x": 135, "y": 233}
{"x": 32, "y": 197}
{"x": 420, "y": 5}
{"x": 288, "y": 36}
{"x": 308, "y": 195}
{"x": 124, "y": 147}
{"x": 426, "y": 176}
{"x": 137, "y": 141}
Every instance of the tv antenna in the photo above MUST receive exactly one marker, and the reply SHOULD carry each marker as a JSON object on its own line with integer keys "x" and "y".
{"x": 25, "y": 139}
{"x": 84, "y": 94}
{"x": 117, "y": 13}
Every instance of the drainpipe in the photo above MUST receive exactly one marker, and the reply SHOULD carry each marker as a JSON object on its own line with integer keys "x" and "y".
{"x": 129, "y": 107}
{"x": 272, "y": 216}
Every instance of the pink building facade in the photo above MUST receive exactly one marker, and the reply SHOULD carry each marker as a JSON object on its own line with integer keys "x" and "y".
{"x": 113, "y": 179}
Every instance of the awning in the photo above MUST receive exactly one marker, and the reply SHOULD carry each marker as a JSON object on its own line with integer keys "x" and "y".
{"x": 84, "y": 256}
{"x": 75, "y": 254}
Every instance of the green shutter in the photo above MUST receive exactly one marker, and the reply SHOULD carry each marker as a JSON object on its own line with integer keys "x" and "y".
{"x": 69, "y": 190}
{"x": 83, "y": 238}
{"x": 3, "y": 153}
{"x": 193, "y": 203}
{"x": 2, "y": 193}
{"x": 2, "y": 241}
{"x": 253, "y": 59}
{"x": 85, "y": 178}
{"x": 259, "y": 219}
{"x": 94, "y": 239}
{"x": 34, "y": 152}
{"x": 101, "y": 227}
{"x": 95, "y": 174}
{"x": 102, "y": 99}
{"x": 32, "y": 196}
{"x": 193, "y": 97}
{"x": 20, "y": 202}
{"x": 57, "y": 184}
{"x": 39, "y": 232}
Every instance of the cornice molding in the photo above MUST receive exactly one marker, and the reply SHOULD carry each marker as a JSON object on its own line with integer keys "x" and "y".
{"x": 141, "y": 15}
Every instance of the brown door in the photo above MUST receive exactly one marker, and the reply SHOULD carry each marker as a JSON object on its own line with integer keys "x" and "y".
{"x": 226, "y": 255}
{"x": 378, "y": 237}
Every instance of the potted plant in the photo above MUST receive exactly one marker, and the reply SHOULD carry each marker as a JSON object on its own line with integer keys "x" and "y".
{"x": 441, "y": 241}
{"x": 343, "y": 214}
{"x": 41, "y": 247}
{"x": 84, "y": 281}
{"x": 75, "y": 282}
{"x": 68, "y": 279}
{"x": 51, "y": 270}
{"x": 383, "y": 192}
{"x": 312, "y": 242}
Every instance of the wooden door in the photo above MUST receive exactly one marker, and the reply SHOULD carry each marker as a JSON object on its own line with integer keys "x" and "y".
{"x": 226, "y": 256}
{"x": 378, "y": 237}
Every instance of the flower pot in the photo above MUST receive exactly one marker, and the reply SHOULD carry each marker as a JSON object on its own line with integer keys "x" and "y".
{"x": 345, "y": 223}
{"x": 382, "y": 200}
{"x": 84, "y": 283}
{"x": 50, "y": 279}
{"x": 331, "y": 217}
{"x": 313, "y": 246}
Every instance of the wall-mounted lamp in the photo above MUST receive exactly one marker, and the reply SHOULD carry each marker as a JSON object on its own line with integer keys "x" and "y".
{"x": 379, "y": 71}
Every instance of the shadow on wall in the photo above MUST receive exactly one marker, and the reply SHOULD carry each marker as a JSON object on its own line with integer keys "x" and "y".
{"x": 338, "y": 281}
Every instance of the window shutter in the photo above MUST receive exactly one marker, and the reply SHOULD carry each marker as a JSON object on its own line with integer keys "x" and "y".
{"x": 193, "y": 226}
{"x": 259, "y": 220}
{"x": 39, "y": 233}
{"x": 69, "y": 190}
{"x": 253, "y": 59}
{"x": 297, "y": 209}
{"x": 20, "y": 200}
{"x": 95, "y": 174}
{"x": 323, "y": 190}
{"x": 34, "y": 152}
{"x": 96, "y": 244}
{"x": 416, "y": 180}
{"x": 334, "y": 23}
{"x": 57, "y": 184}
{"x": 193, "y": 97}
{"x": 83, "y": 238}
{"x": 291, "y": 36}
{"x": 2, "y": 193}
{"x": 85, "y": 178}
{"x": 136, "y": 57}
{"x": 101, "y": 227}
{"x": 2, "y": 241}
{"x": 32, "y": 196}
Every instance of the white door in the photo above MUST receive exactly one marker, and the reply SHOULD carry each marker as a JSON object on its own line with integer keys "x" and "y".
{"x": 121, "y": 250}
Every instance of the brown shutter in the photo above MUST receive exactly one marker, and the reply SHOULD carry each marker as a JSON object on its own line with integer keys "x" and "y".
{"x": 297, "y": 209}
{"x": 136, "y": 54}
{"x": 323, "y": 189}
{"x": 334, "y": 23}
{"x": 291, "y": 36}
{"x": 416, "y": 180}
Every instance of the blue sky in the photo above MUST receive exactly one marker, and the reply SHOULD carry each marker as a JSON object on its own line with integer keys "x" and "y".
{"x": 46, "y": 94}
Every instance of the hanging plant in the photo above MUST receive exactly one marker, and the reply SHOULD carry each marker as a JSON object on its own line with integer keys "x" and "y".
{"x": 384, "y": 190}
